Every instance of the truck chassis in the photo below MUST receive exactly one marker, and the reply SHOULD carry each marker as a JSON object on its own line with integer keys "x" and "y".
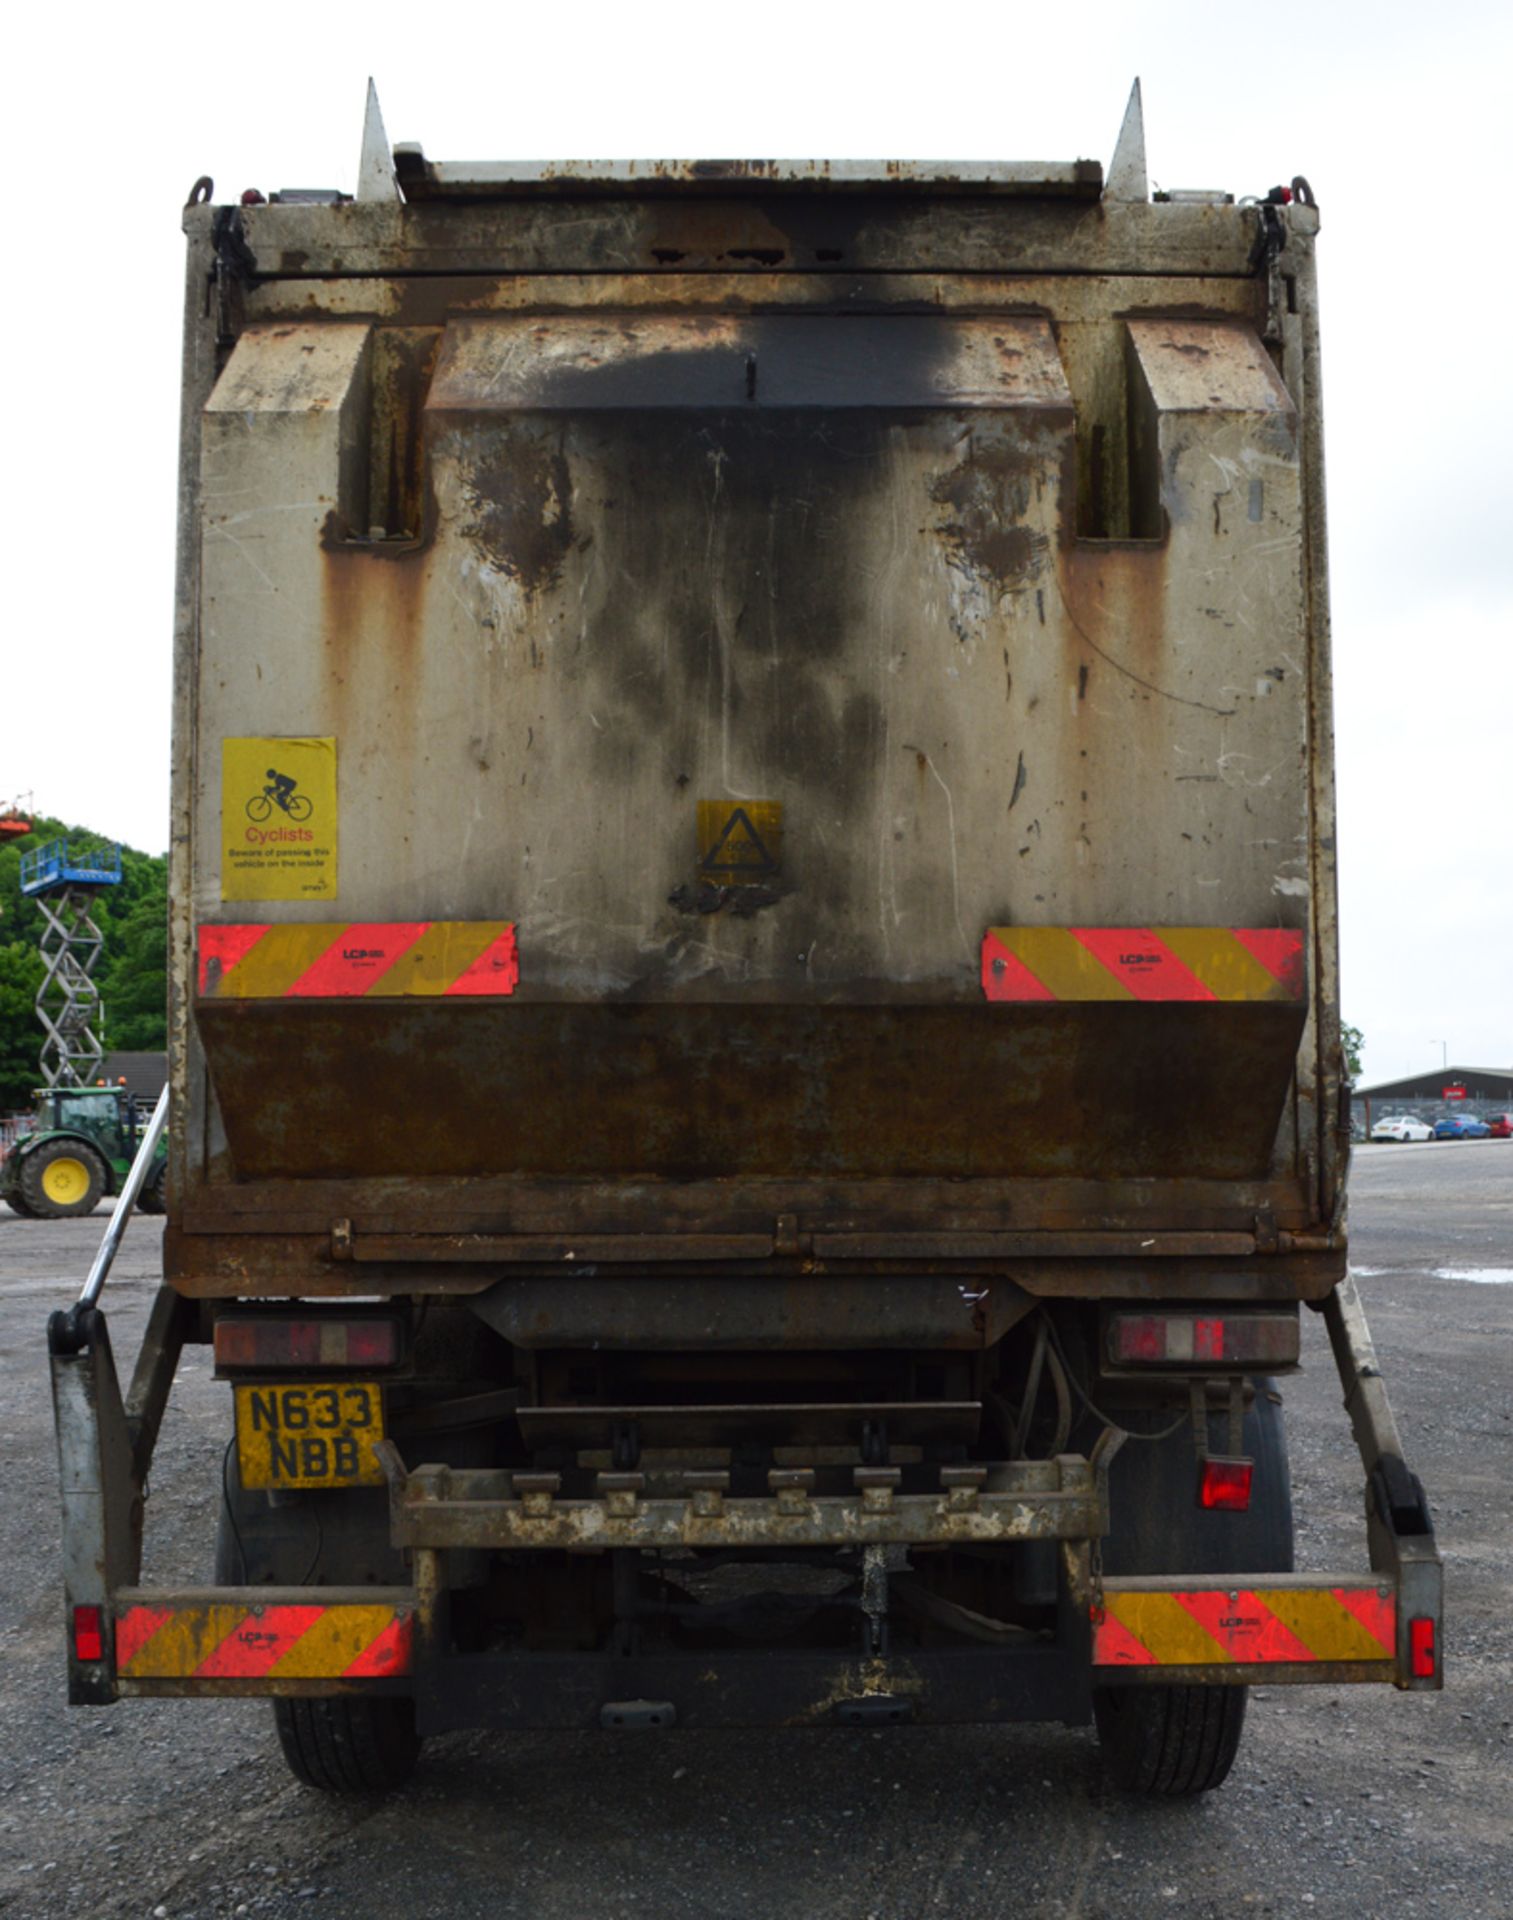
{"x": 408, "y": 1642}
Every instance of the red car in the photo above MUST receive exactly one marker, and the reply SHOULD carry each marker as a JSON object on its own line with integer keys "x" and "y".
{"x": 1501, "y": 1125}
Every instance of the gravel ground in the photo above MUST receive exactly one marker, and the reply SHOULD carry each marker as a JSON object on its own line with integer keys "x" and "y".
{"x": 1348, "y": 1802}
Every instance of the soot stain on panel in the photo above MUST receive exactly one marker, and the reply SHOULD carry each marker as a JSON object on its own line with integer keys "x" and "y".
{"x": 521, "y": 488}
{"x": 726, "y": 586}
{"x": 987, "y": 500}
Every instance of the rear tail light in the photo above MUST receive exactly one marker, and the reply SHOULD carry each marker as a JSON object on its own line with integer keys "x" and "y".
{"x": 89, "y": 1633}
{"x": 1423, "y": 1649}
{"x": 1202, "y": 1339}
{"x": 268, "y": 1341}
{"x": 1224, "y": 1485}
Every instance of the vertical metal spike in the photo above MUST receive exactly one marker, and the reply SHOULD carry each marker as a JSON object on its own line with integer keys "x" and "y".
{"x": 1126, "y": 173}
{"x": 375, "y": 170}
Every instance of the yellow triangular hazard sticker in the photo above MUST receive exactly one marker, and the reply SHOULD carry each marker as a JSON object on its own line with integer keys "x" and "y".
{"x": 742, "y": 842}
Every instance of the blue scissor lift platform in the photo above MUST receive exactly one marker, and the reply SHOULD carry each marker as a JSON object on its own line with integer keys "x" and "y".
{"x": 70, "y": 863}
{"x": 64, "y": 878}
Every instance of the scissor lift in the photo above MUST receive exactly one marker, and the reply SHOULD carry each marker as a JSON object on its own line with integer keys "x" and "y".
{"x": 65, "y": 878}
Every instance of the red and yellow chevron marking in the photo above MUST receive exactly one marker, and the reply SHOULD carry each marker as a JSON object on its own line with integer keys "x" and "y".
{"x": 1209, "y": 1628}
{"x": 1142, "y": 963}
{"x": 357, "y": 959}
{"x": 222, "y": 1640}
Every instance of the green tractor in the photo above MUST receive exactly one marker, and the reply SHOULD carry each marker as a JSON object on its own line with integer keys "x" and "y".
{"x": 78, "y": 1149}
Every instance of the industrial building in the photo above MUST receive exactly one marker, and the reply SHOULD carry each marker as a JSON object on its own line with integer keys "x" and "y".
{"x": 1428, "y": 1096}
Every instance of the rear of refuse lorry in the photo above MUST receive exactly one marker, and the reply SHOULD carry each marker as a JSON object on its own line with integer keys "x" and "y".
{"x": 757, "y": 1114}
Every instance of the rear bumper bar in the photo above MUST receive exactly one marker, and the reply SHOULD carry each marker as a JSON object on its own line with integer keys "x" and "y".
{"x": 263, "y": 1640}
{"x": 1223, "y": 1630}
{"x": 1297, "y": 1628}
{"x": 301, "y": 1640}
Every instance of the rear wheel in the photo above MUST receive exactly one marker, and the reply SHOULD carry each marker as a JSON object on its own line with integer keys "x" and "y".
{"x": 348, "y": 1744}
{"x": 1169, "y": 1740}
{"x": 1183, "y": 1739}
{"x": 62, "y": 1180}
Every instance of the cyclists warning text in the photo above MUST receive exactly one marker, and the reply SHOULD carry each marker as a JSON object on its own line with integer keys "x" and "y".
{"x": 278, "y": 819}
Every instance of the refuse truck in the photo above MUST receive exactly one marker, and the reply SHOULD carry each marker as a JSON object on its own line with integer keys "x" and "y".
{"x": 757, "y": 1116}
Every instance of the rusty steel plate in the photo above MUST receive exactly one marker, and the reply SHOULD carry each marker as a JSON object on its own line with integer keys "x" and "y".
{"x": 794, "y": 1425}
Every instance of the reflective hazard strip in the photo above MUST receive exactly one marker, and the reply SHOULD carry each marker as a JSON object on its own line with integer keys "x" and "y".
{"x": 356, "y": 959}
{"x": 1223, "y": 1627}
{"x": 229, "y": 1641}
{"x": 1143, "y": 963}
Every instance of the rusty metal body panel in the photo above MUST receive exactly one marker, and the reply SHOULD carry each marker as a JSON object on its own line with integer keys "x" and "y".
{"x": 973, "y": 532}
{"x": 753, "y": 852}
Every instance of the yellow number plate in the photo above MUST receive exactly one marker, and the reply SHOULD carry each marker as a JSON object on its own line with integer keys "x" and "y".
{"x": 317, "y": 1434}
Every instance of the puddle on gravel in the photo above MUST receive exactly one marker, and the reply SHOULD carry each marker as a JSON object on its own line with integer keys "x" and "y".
{"x": 1484, "y": 1276}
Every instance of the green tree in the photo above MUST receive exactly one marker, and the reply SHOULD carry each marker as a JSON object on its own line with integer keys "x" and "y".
{"x": 1352, "y": 1040}
{"x": 134, "y": 972}
{"x": 20, "y": 1035}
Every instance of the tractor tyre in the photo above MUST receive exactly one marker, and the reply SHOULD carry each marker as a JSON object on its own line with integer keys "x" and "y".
{"x": 152, "y": 1198}
{"x": 12, "y": 1197}
{"x": 62, "y": 1180}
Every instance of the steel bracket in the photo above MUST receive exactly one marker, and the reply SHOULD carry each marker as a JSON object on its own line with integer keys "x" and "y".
{"x": 105, "y": 1448}
{"x": 1399, "y": 1529}
{"x": 102, "y": 1491}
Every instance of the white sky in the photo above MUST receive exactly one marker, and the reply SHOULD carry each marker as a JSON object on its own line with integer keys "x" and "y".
{"x": 1398, "y": 114}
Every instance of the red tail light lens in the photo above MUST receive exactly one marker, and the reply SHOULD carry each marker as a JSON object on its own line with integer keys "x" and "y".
{"x": 1224, "y": 1485}
{"x": 89, "y": 1633}
{"x": 1423, "y": 1650}
{"x": 267, "y": 1341}
{"x": 372, "y": 1343}
{"x": 1202, "y": 1339}
{"x": 1137, "y": 1339}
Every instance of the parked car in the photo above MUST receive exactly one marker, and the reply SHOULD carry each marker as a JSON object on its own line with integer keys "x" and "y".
{"x": 1402, "y": 1126}
{"x": 1461, "y": 1126}
{"x": 1500, "y": 1125}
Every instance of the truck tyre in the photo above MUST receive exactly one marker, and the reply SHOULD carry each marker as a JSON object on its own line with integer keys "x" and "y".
{"x": 62, "y": 1180}
{"x": 1183, "y": 1739}
{"x": 1169, "y": 1740}
{"x": 348, "y": 1744}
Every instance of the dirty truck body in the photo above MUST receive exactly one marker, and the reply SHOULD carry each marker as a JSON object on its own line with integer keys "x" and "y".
{"x": 756, "y": 1076}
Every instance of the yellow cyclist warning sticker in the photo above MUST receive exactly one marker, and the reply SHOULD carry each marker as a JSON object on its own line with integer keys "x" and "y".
{"x": 278, "y": 819}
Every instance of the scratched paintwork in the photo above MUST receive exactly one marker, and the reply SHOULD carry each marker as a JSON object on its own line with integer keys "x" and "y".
{"x": 598, "y": 631}
{"x": 1004, "y": 599}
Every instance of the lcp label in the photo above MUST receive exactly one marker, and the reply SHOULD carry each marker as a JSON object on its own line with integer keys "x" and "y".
{"x": 278, "y": 819}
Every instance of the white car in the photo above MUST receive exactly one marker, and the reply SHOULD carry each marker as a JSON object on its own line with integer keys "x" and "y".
{"x": 1401, "y": 1126}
